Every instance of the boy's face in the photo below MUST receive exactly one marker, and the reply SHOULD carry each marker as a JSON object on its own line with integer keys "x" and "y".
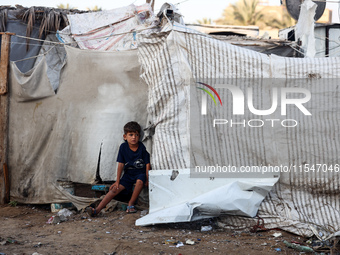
{"x": 131, "y": 137}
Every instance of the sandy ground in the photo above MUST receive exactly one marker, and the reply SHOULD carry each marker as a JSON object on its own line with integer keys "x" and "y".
{"x": 24, "y": 230}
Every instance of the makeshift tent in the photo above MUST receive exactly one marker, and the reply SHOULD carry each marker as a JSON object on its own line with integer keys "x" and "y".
{"x": 76, "y": 131}
{"x": 301, "y": 201}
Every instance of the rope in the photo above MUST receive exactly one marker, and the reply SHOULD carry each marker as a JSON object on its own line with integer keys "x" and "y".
{"x": 34, "y": 44}
{"x": 43, "y": 54}
{"x": 39, "y": 40}
{"x": 129, "y": 32}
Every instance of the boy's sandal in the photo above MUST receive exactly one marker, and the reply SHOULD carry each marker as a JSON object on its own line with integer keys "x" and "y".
{"x": 91, "y": 211}
{"x": 131, "y": 209}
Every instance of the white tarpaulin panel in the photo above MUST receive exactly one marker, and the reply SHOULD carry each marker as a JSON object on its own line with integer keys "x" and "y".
{"x": 300, "y": 201}
{"x": 189, "y": 199}
{"x": 77, "y": 131}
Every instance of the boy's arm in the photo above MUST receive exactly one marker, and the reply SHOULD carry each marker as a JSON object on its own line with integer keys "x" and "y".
{"x": 119, "y": 174}
{"x": 148, "y": 167}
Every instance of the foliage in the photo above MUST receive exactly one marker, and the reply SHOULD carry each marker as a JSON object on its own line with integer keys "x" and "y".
{"x": 249, "y": 12}
{"x": 243, "y": 13}
{"x": 94, "y": 9}
{"x": 205, "y": 21}
{"x": 13, "y": 203}
{"x": 280, "y": 21}
{"x": 65, "y": 6}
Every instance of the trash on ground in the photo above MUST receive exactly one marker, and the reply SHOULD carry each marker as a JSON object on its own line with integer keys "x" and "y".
{"x": 190, "y": 242}
{"x": 179, "y": 244}
{"x": 64, "y": 214}
{"x": 277, "y": 249}
{"x": 277, "y": 234}
{"x": 170, "y": 241}
{"x": 37, "y": 245}
{"x": 54, "y": 220}
{"x": 298, "y": 247}
{"x": 206, "y": 228}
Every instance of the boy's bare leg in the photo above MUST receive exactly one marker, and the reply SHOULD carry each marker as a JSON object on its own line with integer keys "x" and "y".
{"x": 138, "y": 188}
{"x": 108, "y": 197}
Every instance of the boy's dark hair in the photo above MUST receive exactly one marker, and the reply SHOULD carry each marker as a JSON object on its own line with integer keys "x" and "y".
{"x": 132, "y": 126}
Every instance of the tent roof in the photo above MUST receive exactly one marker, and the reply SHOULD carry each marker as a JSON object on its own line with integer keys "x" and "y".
{"x": 48, "y": 19}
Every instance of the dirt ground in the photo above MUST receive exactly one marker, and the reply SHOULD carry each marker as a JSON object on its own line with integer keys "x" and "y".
{"x": 24, "y": 230}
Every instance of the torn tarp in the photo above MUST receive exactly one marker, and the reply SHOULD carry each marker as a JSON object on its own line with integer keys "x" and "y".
{"x": 180, "y": 198}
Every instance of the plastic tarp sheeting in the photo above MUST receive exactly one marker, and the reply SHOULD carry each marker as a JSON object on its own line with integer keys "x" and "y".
{"x": 299, "y": 202}
{"x": 77, "y": 131}
{"x": 54, "y": 56}
{"x": 110, "y": 30}
{"x": 19, "y": 45}
{"x": 304, "y": 29}
{"x": 190, "y": 199}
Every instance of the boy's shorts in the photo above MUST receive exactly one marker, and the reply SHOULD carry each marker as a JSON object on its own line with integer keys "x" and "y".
{"x": 129, "y": 178}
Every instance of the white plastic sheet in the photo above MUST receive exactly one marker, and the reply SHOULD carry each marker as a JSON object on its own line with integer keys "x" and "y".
{"x": 179, "y": 198}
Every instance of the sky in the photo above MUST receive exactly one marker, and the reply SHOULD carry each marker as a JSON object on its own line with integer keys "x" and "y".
{"x": 192, "y": 10}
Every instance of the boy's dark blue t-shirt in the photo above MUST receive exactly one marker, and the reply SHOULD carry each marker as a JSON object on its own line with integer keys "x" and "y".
{"x": 133, "y": 160}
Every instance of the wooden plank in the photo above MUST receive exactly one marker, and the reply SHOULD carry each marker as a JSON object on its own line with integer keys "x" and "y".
{"x": 5, "y": 46}
{"x": 4, "y": 100}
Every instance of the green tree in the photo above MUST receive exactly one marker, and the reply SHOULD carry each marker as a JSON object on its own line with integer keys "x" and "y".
{"x": 280, "y": 21}
{"x": 243, "y": 13}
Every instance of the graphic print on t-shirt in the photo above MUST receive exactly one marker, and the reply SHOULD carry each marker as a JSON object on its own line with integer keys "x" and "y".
{"x": 139, "y": 163}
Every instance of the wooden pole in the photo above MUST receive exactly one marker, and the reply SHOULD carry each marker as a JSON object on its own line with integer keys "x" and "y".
{"x": 4, "y": 100}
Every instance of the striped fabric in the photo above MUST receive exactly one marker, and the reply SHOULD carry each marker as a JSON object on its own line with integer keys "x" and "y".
{"x": 300, "y": 202}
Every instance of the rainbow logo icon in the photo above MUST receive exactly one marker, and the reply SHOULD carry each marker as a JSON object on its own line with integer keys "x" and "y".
{"x": 204, "y": 96}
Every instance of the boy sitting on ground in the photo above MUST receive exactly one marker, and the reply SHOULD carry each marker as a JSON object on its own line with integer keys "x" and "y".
{"x": 134, "y": 159}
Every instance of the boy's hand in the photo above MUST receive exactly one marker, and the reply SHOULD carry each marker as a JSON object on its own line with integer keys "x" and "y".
{"x": 146, "y": 183}
{"x": 114, "y": 186}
